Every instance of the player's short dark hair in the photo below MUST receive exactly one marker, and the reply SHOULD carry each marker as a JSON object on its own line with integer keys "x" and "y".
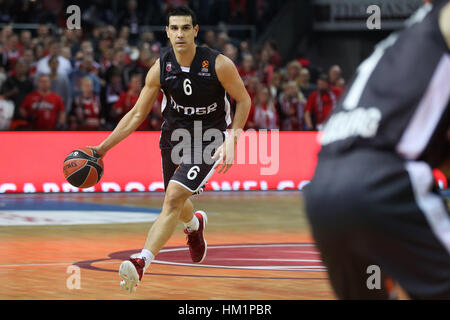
{"x": 182, "y": 11}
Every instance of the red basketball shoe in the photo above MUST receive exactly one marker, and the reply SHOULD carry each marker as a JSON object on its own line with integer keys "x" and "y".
{"x": 131, "y": 272}
{"x": 195, "y": 240}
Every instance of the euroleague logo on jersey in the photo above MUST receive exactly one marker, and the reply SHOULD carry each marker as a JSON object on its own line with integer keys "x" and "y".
{"x": 205, "y": 65}
{"x": 168, "y": 67}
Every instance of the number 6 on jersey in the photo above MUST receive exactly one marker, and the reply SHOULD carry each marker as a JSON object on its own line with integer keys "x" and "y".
{"x": 187, "y": 87}
{"x": 192, "y": 173}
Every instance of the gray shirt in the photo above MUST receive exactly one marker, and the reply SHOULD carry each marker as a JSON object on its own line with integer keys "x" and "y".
{"x": 61, "y": 86}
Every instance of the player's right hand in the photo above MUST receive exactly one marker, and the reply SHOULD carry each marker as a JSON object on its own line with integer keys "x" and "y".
{"x": 99, "y": 150}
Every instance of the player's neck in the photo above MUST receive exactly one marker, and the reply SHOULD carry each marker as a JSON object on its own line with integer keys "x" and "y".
{"x": 185, "y": 58}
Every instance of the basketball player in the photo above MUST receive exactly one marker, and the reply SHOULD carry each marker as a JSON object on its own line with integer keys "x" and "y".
{"x": 373, "y": 207}
{"x": 194, "y": 81}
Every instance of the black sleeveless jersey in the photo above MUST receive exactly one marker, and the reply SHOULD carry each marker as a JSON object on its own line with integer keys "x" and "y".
{"x": 194, "y": 93}
{"x": 399, "y": 98}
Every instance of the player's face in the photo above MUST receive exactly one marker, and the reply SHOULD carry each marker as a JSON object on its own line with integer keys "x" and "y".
{"x": 181, "y": 32}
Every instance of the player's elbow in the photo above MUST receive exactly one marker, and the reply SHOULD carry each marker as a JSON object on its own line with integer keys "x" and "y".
{"x": 138, "y": 115}
{"x": 245, "y": 103}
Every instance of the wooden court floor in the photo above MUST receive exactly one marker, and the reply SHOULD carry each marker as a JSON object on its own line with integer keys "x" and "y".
{"x": 259, "y": 247}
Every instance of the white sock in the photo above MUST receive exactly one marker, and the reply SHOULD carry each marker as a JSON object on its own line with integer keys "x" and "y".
{"x": 147, "y": 256}
{"x": 193, "y": 224}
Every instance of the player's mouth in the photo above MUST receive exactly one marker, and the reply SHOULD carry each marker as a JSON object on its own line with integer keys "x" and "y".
{"x": 180, "y": 43}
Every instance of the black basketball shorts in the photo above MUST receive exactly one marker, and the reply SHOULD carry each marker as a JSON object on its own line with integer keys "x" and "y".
{"x": 369, "y": 209}
{"x": 190, "y": 165}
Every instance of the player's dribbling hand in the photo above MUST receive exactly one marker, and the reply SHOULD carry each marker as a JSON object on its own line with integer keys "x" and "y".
{"x": 98, "y": 150}
{"x": 225, "y": 153}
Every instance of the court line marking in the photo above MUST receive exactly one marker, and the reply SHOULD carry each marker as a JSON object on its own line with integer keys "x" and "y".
{"x": 273, "y": 268}
{"x": 265, "y": 259}
{"x": 54, "y": 264}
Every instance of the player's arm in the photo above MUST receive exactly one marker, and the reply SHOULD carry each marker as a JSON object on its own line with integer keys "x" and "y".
{"x": 131, "y": 121}
{"x": 444, "y": 23}
{"x": 232, "y": 83}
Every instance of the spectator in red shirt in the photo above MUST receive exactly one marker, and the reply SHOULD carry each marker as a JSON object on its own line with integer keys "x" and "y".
{"x": 274, "y": 56}
{"x": 304, "y": 82}
{"x": 247, "y": 68}
{"x": 266, "y": 69}
{"x": 321, "y": 103}
{"x": 43, "y": 109}
{"x": 86, "y": 108}
{"x": 265, "y": 116}
{"x": 127, "y": 100}
{"x": 341, "y": 83}
{"x": 292, "y": 103}
{"x": 334, "y": 74}
{"x": 275, "y": 87}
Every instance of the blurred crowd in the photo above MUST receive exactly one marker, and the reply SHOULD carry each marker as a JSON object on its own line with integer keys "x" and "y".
{"x": 79, "y": 80}
{"x": 139, "y": 13}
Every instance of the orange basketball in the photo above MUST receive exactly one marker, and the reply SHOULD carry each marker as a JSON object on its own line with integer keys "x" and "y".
{"x": 83, "y": 168}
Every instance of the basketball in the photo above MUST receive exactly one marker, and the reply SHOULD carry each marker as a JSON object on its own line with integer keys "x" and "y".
{"x": 83, "y": 168}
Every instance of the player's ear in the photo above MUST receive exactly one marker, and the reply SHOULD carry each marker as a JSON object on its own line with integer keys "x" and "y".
{"x": 196, "y": 30}
{"x": 167, "y": 31}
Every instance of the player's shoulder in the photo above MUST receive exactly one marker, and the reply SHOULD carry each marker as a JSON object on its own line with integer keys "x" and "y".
{"x": 223, "y": 63}
{"x": 153, "y": 75}
{"x": 205, "y": 50}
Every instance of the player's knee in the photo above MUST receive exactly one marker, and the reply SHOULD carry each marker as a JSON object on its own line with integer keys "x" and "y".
{"x": 174, "y": 201}
{"x": 172, "y": 204}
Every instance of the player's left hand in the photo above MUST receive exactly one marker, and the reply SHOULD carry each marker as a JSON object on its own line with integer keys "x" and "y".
{"x": 225, "y": 153}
